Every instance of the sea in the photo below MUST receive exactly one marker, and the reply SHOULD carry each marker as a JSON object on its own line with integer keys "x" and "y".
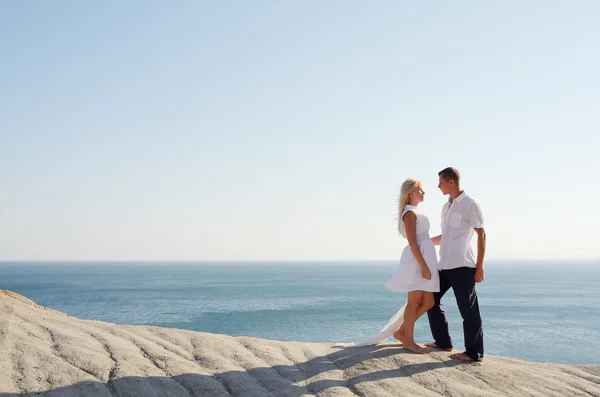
{"x": 546, "y": 311}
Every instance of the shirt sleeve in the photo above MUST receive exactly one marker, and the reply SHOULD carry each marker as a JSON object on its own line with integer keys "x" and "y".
{"x": 476, "y": 216}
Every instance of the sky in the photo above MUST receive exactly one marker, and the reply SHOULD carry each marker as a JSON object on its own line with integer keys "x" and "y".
{"x": 282, "y": 130}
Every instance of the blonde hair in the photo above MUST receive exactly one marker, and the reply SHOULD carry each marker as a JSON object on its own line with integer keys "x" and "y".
{"x": 408, "y": 186}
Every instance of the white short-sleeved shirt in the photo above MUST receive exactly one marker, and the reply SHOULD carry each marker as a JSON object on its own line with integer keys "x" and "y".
{"x": 459, "y": 219}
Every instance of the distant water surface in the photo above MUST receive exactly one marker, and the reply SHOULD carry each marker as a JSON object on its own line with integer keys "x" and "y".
{"x": 540, "y": 311}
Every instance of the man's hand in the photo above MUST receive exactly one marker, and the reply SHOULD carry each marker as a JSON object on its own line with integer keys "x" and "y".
{"x": 478, "y": 274}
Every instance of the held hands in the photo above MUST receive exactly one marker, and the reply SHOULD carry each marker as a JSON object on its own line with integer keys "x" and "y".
{"x": 425, "y": 273}
{"x": 478, "y": 274}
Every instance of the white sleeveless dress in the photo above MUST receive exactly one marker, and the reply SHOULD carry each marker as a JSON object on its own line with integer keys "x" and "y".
{"x": 408, "y": 276}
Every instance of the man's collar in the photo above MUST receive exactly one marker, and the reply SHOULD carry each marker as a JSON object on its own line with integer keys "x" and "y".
{"x": 457, "y": 199}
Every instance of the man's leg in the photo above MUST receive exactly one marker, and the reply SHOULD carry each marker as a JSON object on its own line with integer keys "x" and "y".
{"x": 438, "y": 322}
{"x": 463, "y": 284}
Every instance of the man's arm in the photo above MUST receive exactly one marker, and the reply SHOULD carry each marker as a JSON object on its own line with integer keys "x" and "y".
{"x": 481, "y": 240}
{"x": 437, "y": 240}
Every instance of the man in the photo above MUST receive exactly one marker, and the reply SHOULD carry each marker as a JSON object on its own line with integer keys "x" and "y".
{"x": 459, "y": 269}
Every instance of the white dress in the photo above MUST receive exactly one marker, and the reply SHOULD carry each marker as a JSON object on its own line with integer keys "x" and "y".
{"x": 408, "y": 276}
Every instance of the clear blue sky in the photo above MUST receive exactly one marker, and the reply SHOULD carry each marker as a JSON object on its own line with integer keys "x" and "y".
{"x": 192, "y": 130}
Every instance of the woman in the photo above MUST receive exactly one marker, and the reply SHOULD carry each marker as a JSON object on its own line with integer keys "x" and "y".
{"x": 417, "y": 273}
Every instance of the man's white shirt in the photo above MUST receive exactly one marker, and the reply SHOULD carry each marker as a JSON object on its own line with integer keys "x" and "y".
{"x": 459, "y": 218}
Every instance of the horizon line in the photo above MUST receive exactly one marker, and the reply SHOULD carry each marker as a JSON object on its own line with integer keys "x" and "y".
{"x": 4, "y": 261}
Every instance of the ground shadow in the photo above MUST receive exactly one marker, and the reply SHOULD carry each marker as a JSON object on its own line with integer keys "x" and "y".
{"x": 281, "y": 380}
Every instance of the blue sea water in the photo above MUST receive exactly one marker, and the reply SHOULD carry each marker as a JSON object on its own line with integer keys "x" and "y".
{"x": 539, "y": 311}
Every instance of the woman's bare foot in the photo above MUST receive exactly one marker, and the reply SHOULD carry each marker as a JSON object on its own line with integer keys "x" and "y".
{"x": 433, "y": 345}
{"x": 399, "y": 334}
{"x": 413, "y": 347}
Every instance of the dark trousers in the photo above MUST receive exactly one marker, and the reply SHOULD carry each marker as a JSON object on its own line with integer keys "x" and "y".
{"x": 462, "y": 282}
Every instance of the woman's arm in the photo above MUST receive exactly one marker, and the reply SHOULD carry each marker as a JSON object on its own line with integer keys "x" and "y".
{"x": 410, "y": 224}
{"x": 437, "y": 240}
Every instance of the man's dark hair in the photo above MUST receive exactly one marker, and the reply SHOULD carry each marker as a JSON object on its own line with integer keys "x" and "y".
{"x": 450, "y": 173}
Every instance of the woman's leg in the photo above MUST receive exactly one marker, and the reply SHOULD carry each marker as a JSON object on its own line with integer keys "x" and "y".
{"x": 426, "y": 303}
{"x": 415, "y": 299}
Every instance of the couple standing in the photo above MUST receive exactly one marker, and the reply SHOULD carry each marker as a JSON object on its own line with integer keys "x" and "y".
{"x": 426, "y": 280}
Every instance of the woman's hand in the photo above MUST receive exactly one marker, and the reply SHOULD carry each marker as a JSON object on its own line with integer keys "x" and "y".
{"x": 425, "y": 273}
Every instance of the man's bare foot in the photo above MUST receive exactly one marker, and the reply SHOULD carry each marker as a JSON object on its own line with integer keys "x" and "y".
{"x": 433, "y": 345}
{"x": 413, "y": 347}
{"x": 399, "y": 334}
{"x": 461, "y": 357}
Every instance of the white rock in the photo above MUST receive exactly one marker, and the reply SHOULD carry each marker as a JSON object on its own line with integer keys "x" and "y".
{"x": 48, "y": 352}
